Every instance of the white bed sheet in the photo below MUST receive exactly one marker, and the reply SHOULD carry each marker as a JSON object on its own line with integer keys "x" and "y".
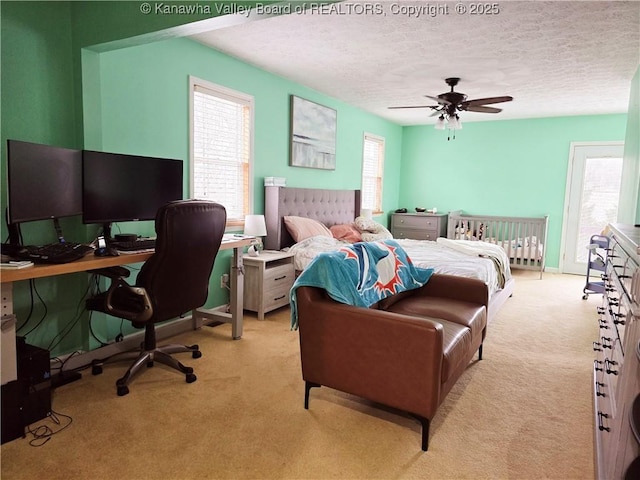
{"x": 462, "y": 261}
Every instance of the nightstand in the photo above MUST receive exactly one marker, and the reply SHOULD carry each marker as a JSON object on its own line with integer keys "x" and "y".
{"x": 267, "y": 281}
{"x": 421, "y": 226}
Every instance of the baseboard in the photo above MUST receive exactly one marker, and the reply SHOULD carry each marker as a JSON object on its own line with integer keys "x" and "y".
{"x": 130, "y": 342}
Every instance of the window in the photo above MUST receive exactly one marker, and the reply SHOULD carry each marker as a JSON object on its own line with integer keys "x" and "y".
{"x": 372, "y": 168}
{"x": 221, "y": 147}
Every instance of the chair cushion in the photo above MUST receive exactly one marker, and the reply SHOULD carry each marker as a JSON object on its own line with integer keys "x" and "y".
{"x": 468, "y": 314}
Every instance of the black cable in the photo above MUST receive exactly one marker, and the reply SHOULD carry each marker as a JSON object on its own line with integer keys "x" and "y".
{"x": 69, "y": 326}
{"x": 43, "y": 433}
{"x": 95, "y": 337}
{"x": 44, "y": 305}
{"x": 31, "y": 306}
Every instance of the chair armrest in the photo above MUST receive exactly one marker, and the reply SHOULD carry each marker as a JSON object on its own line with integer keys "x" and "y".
{"x": 129, "y": 302}
{"x": 112, "y": 272}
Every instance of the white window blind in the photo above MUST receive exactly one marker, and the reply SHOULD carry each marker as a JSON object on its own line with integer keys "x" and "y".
{"x": 372, "y": 168}
{"x": 222, "y": 122}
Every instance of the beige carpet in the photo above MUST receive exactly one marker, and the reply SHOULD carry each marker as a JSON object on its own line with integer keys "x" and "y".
{"x": 524, "y": 412}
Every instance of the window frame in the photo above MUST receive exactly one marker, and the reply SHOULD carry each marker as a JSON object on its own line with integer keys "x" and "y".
{"x": 377, "y": 208}
{"x": 228, "y": 94}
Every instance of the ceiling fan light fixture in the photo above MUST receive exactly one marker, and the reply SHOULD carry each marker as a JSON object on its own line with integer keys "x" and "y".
{"x": 440, "y": 123}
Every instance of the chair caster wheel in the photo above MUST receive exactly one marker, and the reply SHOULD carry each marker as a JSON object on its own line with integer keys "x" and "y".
{"x": 122, "y": 390}
{"x": 150, "y": 364}
{"x": 96, "y": 369}
{"x": 191, "y": 378}
{"x": 196, "y": 354}
{"x": 188, "y": 370}
{"x": 585, "y": 296}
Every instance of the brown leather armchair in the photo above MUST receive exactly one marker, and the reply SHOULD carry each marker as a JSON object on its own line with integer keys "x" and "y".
{"x": 174, "y": 281}
{"x": 406, "y": 352}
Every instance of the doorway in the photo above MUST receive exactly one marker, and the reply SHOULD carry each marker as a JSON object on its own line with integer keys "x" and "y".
{"x": 594, "y": 181}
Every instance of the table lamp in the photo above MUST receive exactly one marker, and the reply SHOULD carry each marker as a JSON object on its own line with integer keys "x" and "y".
{"x": 255, "y": 226}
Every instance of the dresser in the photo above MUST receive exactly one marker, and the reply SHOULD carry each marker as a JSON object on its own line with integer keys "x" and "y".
{"x": 420, "y": 226}
{"x": 267, "y": 281}
{"x": 616, "y": 367}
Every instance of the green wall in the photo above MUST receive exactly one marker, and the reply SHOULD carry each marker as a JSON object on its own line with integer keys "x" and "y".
{"x": 632, "y": 142}
{"x": 56, "y": 92}
{"x": 507, "y": 167}
{"x": 144, "y": 110}
{"x": 38, "y": 88}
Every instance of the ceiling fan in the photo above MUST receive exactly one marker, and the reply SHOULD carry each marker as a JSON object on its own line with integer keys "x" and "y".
{"x": 449, "y": 103}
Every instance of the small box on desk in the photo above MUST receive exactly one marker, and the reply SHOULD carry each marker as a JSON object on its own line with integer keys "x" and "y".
{"x": 275, "y": 182}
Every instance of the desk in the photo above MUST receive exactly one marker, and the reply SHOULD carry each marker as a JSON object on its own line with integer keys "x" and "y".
{"x": 91, "y": 262}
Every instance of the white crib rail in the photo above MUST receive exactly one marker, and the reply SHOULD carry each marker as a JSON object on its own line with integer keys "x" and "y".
{"x": 524, "y": 239}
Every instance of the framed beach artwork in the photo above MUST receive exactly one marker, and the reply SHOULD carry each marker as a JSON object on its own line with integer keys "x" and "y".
{"x": 313, "y": 135}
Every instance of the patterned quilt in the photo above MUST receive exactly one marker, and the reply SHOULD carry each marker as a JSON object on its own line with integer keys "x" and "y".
{"x": 361, "y": 274}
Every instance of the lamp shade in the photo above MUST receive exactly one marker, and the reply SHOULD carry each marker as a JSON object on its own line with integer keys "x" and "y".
{"x": 255, "y": 226}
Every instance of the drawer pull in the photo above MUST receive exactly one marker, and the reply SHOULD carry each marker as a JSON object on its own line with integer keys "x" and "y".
{"x": 601, "y": 310}
{"x": 619, "y": 322}
{"x": 601, "y": 426}
{"x": 597, "y": 347}
{"x": 603, "y": 325}
{"x": 280, "y": 278}
{"x": 597, "y": 365}
{"x": 280, "y": 297}
{"x": 598, "y": 392}
{"x": 607, "y": 366}
{"x": 604, "y": 342}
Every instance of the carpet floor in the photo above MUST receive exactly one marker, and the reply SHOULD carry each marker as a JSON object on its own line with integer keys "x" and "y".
{"x": 523, "y": 412}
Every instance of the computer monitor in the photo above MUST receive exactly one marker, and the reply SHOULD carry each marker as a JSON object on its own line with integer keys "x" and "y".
{"x": 43, "y": 182}
{"x": 122, "y": 188}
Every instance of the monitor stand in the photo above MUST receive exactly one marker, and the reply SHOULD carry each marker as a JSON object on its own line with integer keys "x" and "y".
{"x": 58, "y": 228}
{"x": 106, "y": 232}
{"x": 13, "y": 229}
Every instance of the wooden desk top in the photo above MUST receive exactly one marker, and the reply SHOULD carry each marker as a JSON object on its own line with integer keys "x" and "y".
{"x": 91, "y": 262}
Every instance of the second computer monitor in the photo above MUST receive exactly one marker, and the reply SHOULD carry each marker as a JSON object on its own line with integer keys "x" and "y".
{"x": 119, "y": 188}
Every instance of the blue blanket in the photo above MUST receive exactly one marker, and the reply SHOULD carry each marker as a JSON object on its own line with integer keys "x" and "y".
{"x": 361, "y": 274}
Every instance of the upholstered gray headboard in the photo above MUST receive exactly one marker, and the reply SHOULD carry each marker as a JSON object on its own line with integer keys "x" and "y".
{"x": 330, "y": 207}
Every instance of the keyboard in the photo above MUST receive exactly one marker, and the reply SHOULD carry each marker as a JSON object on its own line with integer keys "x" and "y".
{"x": 142, "y": 244}
{"x": 54, "y": 252}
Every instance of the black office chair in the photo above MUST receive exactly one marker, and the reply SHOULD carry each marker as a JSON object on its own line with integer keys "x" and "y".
{"x": 175, "y": 280}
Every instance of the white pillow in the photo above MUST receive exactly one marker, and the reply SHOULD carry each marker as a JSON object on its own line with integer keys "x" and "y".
{"x": 372, "y": 231}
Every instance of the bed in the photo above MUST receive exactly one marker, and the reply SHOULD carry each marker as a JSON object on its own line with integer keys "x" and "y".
{"x": 337, "y": 207}
{"x": 522, "y": 238}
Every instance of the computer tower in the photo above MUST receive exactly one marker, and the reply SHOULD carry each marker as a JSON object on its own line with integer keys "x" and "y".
{"x": 34, "y": 373}
{"x": 27, "y": 399}
{"x": 12, "y": 417}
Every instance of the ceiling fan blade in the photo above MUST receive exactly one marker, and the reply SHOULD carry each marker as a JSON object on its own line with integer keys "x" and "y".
{"x": 441, "y": 101}
{"x": 416, "y": 106}
{"x": 482, "y": 109}
{"x": 485, "y": 101}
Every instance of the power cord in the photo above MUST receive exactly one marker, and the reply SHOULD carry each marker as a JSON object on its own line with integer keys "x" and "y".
{"x": 43, "y": 433}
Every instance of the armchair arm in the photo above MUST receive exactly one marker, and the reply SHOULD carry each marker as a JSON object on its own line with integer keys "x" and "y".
{"x": 445, "y": 286}
{"x": 457, "y": 288}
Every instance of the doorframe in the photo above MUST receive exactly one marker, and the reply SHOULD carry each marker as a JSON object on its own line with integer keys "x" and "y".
{"x": 567, "y": 190}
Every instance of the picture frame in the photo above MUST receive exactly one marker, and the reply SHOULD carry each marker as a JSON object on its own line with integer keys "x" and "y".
{"x": 313, "y": 135}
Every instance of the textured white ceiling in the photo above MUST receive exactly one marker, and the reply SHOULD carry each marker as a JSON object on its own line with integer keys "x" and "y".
{"x": 555, "y": 58}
